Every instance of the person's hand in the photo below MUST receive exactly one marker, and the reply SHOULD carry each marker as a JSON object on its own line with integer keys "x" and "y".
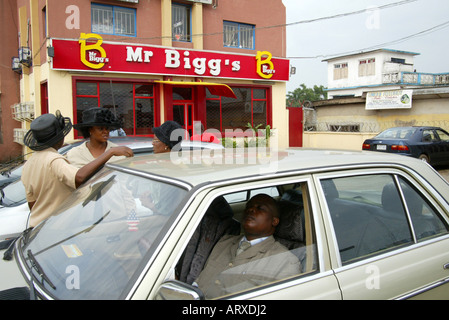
{"x": 122, "y": 151}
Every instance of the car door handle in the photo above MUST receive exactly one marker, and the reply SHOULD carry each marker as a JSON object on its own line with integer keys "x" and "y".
{"x": 446, "y": 266}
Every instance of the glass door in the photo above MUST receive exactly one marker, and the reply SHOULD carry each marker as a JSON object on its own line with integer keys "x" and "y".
{"x": 183, "y": 113}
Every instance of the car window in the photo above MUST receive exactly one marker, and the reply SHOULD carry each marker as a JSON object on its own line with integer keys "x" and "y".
{"x": 247, "y": 194}
{"x": 429, "y": 136}
{"x": 426, "y": 221}
{"x": 210, "y": 261}
{"x": 443, "y": 135}
{"x": 396, "y": 133}
{"x": 370, "y": 218}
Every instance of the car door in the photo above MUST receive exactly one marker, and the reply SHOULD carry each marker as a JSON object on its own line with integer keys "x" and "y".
{"x": 430, "y": 145}
{"x": 444, "y": 145}
{"x": 302, "y": 233}
{"x": 390, "y": 234}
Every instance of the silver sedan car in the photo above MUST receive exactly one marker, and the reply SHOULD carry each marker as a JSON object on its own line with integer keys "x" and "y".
{"x": 356, "y": 225}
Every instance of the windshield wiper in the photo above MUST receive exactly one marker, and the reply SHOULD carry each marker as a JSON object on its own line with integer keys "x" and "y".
{"x": 38, "y": 268}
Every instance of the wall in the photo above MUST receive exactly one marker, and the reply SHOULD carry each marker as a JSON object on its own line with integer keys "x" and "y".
{"x": 335, "y": 140}
{"x": 427, "y": 109}
{"x": 9, "y": 81}
{"x": 258, "y": 13}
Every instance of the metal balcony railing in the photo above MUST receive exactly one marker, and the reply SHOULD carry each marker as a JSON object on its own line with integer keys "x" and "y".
{"x": 416, "y": 78}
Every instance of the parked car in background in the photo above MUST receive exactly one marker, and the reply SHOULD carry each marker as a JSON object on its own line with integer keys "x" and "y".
{"x": 430, "y": 144}
{"x": 11, "y": 175}
{"x": 14, "y": 209}
{"x": 364, "y": 225}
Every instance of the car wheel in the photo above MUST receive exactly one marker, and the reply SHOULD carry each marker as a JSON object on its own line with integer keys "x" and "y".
{"x": 424, "y": 158}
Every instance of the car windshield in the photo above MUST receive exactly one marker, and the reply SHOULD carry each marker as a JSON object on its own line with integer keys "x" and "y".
{"x": 397, "y": 133}
{"x": 98, "y": 239}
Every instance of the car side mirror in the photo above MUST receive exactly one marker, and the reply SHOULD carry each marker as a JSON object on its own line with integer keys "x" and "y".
{"x": 177, "y": 290}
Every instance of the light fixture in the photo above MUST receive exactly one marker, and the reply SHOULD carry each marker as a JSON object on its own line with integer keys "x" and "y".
{"x": 51, "y": 51}
{"x": 15, "y": 65}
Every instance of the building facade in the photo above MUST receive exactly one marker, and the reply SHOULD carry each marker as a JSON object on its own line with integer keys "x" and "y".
{"x": 383, "y": 69}
{"x": 9, "y": 82}
{"x": 370, "y": 92}
{"x": 221, "y": 63}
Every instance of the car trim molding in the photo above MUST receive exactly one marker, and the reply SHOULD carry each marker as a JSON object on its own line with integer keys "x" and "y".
{"x": 423, "y": 289}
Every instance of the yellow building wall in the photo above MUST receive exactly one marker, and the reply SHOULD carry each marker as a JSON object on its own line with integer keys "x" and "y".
{"x": 430, "y": 111}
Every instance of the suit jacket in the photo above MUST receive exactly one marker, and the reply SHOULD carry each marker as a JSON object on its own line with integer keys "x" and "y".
{"x": 225, "y": 272}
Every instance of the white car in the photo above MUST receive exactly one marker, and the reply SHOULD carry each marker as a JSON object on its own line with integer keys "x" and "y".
{"x": 363, "y": 225}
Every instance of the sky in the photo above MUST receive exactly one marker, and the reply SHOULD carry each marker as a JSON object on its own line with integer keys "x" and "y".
{"x": 321, "y": 29}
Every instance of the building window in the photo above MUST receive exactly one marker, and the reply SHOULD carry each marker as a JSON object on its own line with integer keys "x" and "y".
{"x": 113, "y": 20}
{"x": 367, "y": 67}
{"x": 132, "y": 103}
{"x": 340, "y": 71}
{"x": 181, "y": 19}
{"x": 398, "y": 60}
{"x": 251, "y": 106}
{"x": 238, "y": 35}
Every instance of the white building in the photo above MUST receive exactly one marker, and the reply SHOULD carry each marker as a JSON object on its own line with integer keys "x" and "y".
{"x": 376, "y": 70}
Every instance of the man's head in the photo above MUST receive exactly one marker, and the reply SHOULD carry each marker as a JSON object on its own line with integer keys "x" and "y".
{"x": 261, "y": 217}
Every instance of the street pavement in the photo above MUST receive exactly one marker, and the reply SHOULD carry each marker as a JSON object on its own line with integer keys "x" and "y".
{"x": 444, "y": 173}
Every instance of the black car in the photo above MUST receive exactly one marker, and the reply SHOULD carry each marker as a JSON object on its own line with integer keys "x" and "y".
{"x": 430, "y": 144}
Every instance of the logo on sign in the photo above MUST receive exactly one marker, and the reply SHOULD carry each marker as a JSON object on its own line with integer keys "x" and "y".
{"x": 265, "y": 67}
{"x": 92, "y": 55}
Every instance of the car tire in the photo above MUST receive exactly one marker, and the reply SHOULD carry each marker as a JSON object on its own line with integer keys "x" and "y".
{"x": 424, "y": 158}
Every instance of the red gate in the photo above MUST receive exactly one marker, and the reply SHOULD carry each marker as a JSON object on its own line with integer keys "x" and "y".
{"x": 295, "y": 126}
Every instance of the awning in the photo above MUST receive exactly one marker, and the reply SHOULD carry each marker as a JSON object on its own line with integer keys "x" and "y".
{"x": 217, "y": 89}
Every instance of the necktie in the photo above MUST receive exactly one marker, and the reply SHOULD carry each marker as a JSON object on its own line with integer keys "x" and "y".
{"x": 243, "y": 246}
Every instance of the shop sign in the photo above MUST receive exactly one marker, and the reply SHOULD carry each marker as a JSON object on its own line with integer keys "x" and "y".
{"x": 91, "y": 53}
{"x": 395, "y": 99}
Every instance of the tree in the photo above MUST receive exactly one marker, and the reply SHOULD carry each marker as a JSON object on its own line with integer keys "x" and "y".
{"x": 297, "y": 97}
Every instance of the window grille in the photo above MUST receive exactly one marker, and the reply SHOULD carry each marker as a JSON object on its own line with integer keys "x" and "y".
{"x": 132, "y": 103}
{"x": 113, "y": 20}
{"x": 238, "y": 35}
{"x": 181, "y": 22}
{"x": 228, "y": 113}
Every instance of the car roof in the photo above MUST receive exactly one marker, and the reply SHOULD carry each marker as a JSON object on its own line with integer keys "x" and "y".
{"x": 208, "y": 166}
{"x": 413, "y": 127}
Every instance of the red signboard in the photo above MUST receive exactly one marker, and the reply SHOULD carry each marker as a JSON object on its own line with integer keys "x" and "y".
{"x": 90, "y": 53}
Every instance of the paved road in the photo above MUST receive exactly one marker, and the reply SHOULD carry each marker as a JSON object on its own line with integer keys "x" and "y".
{"x": 444, "y": 172}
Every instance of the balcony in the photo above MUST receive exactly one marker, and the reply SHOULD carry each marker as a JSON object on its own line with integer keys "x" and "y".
{"x": 416, "y": 78}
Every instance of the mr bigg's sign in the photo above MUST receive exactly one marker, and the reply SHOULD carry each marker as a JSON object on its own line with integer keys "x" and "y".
{"x": 90, "y": 53}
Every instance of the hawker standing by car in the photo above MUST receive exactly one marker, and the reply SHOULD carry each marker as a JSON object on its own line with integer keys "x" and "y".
{"x": 48, "y": 177}
{"x": 96, "y": 126}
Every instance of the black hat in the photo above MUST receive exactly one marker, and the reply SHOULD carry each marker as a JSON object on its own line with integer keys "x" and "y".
{"x": 47, "y": 130}
{"x": 98, "y": 117}
{"x": 164, "y": 133}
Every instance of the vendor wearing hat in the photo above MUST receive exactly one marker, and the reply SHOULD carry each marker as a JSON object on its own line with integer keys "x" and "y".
{"x": 167, "y": 136}
{"x": 95, "y": 127}
{"x": 48, "y": 176}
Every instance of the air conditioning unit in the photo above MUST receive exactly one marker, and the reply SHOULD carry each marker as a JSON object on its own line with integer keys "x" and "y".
{"x": 19, "y": 134}
{"x": 27, "y": 111}
{"x": 15, "y": 65}
{"x": 25, "y": 56}
{"x": 16, "y": 110}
